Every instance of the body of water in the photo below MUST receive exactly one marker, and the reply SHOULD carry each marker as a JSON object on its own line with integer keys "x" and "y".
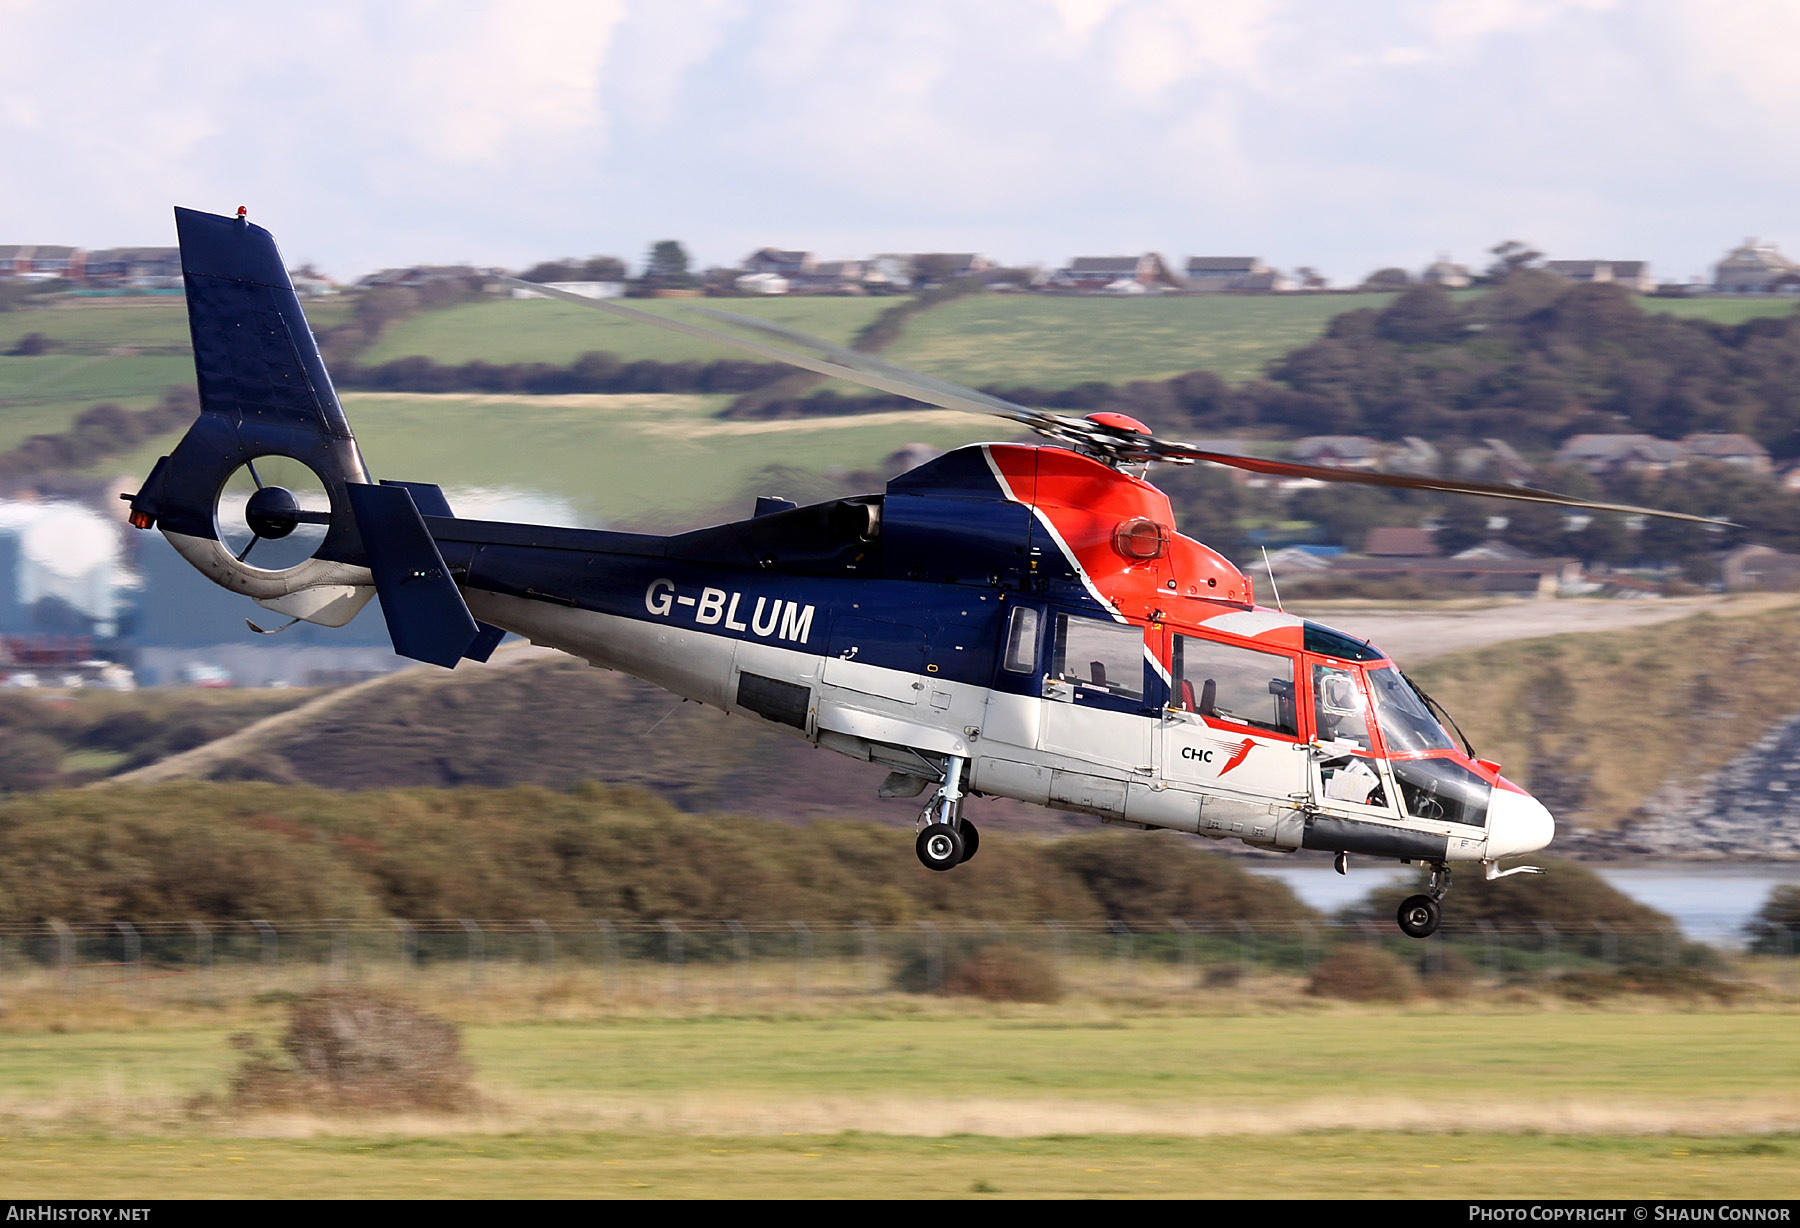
{"x": 1711, "y": 901}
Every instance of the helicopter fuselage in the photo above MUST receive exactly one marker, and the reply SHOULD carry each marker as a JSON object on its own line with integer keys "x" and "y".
{"x": 1014, "y": 620}
{"x": 1032, "y": 614}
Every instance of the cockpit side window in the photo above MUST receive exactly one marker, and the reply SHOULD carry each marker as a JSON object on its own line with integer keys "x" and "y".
{"x": 1105, "y": 656}
{"x": 1340, "y": 710}
{"x": 1240, "y": 685}
{"x": 1021, "y": 640}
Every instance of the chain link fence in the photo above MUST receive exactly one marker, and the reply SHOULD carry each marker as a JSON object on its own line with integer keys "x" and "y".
{"x": 636, "y": 960}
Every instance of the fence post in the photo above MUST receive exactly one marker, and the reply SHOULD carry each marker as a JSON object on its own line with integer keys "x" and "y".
{"x": 338, "y": 951}
{"x": 203, "y": 957}
{"x": 65, "y": 952}
{"x": 1490, "y": 945}
{"x": 1187, "y": 950}
{"x": 134, "y": 952}
{"x": 1122, "y": 952}
{"x": 871, "y": 946}
{"x": 1552, "y": 949}
{"x": 409, "y": 946}
{"x": 1609, "y": 945}
{"x": 1247, "y": 941}
{"x": 740, "y": 942}
{"x": 609, "y": 954}
{"x": 673, "y": 984}
{"x": 934, "y": 957}
{"x": 803, "y": 953}
{"x": 475, "y": 949}
{"x": 271, "y": 945}
{"x": 1059, "y": 944}
{"x": 546, "y": 945}
{"x": 1309, "y": 947}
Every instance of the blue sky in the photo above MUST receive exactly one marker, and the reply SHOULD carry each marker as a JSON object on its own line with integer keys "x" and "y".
{"x": 1346, "y": 136}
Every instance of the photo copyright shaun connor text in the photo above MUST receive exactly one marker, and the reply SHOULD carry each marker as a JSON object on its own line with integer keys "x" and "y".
{"x": 1655, "y": 1213}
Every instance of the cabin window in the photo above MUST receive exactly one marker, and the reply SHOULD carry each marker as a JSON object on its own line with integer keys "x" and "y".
{"x": 1340, "y": 710}
{"x": 1021, "y": 640}
{"x": 1406, "y": 723}
{"x": 1239, "y": 685}
{"x": 1104, "y": 656}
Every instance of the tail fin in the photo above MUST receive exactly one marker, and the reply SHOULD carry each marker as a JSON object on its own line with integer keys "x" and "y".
{"x": 264, "y": 391}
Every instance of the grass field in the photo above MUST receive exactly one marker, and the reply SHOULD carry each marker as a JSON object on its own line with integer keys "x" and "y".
{"x": 919, "y": 1098}
{"x": 649, "y": 460}
{"x": 1055, "y": 342}
{"x": 1720, "y": 310}
{"x": 94, "y": 326}
{"x": 543, "y": 330}
{"x": 638, "y": 1164}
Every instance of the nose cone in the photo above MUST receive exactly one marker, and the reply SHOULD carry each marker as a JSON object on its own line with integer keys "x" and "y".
{"x": 1517, "y": 823}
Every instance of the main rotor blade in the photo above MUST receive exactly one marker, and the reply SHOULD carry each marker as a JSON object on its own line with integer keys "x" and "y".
{"x": 868, "y": 362}
{"x": 1079, "y": 433}
{"x": 948, "y": 396}
{"x": 1405, "y": 481}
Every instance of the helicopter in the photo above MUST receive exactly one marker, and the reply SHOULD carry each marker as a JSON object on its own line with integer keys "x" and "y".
{"x": 1009, "y": 619}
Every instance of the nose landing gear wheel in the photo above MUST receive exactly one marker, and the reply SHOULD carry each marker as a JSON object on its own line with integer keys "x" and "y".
{"x": 1419, "y": 916}
{"x": 939, "y": 847}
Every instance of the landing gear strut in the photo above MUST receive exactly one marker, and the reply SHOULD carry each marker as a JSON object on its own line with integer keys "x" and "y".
{"x": 1419, "y": 914}
{"x": 946, "y": 839}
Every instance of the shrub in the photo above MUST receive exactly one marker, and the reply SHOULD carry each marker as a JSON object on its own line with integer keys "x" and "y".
{"x": 1004, "y": 972}
{"x": 1775, "y": 930}
{"x": 1359, "y": 972}
{"x": 350, "y": 1049}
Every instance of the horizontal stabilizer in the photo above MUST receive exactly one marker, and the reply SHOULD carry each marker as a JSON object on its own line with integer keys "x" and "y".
{"x": 426, "y": 616}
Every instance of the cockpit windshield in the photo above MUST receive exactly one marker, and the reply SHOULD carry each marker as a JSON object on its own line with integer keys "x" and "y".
{"x": 1407, "y": 725}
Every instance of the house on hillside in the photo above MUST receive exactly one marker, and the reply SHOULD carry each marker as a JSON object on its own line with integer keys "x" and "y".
{"x": 1606, "y": 455}
{"x": 1400, "y": 543}
{"x": 1495, "y": 458}
{"x": 1339, "y": 451}
{"x": 1759, "y": 567}
{"x": 40, "y": 262}
{"x": 1413, "y": 455}
{"x": 1632, "y": 275}
{"x": 830, "y": 277}
{"x": 1493, "y": 549}
{"x": 1756, "y": 268}
{"x": 761, "y": 283}
{"x": 1093, "y": 274}
{"x": 419, "y": 275}
{"x": 1215, "y": 274}
{"x": 1738, "y": 451}
{"x": 1441, "y": 272}
{"x": 149, "y": 268}
{"x": 1526, "y": 577}
{"x": 793, "y": 266}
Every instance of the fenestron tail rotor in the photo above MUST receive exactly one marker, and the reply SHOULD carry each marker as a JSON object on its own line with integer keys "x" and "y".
{"x": 1113, "y": 438}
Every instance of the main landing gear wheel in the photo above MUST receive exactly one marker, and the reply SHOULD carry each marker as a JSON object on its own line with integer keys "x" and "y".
{"x": 940, "y": 847}
{"x": 1419, "y": 916}
{"x": 971, "y": 840}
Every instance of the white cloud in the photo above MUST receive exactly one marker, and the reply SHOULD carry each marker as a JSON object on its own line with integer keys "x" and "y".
{"x": 1341, "y": 136}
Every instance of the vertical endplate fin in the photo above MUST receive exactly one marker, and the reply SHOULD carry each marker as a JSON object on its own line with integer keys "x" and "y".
{"x": 426, "y": 616}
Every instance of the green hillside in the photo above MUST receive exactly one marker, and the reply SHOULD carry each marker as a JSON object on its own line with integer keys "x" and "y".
{"x": 1053, "y": 342}
{"x": 43, "y": 394}
{"x": 650, "y": 460}
{"x": 542, "y": 330}
{"x": 1719, "y": 310}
